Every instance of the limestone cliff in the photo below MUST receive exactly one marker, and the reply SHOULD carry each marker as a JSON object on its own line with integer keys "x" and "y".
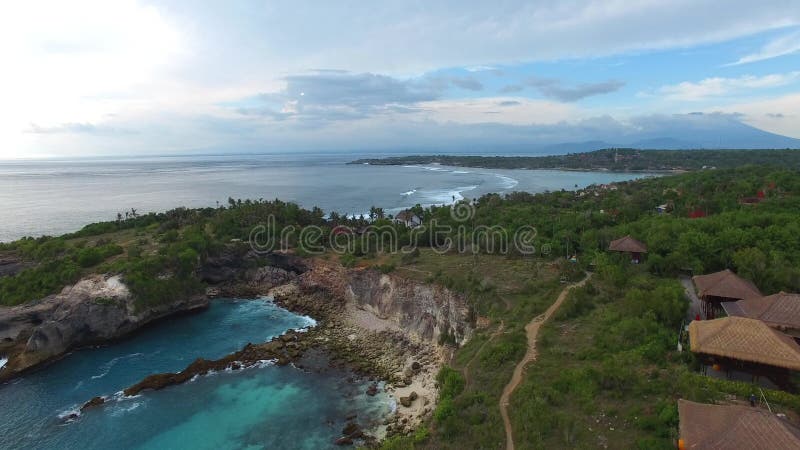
{"x": 93, "y": 310}
{"x": 423, "y": 311}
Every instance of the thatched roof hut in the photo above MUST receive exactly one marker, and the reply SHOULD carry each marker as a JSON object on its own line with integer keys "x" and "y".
{"x": 627, "y": 244}
{"x": 743, "y": 339}
{"x": 730, "y": 427}
{"x": 726, "y": 285}
{"x": 781, "y": 311}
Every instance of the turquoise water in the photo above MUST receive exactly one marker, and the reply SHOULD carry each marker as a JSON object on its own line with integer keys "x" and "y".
{"x": 264, "y": 407}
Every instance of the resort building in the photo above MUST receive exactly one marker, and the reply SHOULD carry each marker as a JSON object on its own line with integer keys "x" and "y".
{"x": 719, "y": 287}
{"x": 630, "y": 245}
{"x": 780, "y": 311}
{"x": 732, "y": 427}
{"x": 745, "y": 350}
{"x": 408, "y": 218}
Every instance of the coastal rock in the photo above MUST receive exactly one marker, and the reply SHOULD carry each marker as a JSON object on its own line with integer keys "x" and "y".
{"x": 96, "y": 401}
{"x": 238, "y": 264}
{"x": 10, "y": 266}
{"x": 406, "y": 401}
{"x": 344, "y": 440}
{"x": 372, "y": 390}
{"x": 423, "y": 311}
{"x": 352, "y": 430}
{"x": 96, "y": 309}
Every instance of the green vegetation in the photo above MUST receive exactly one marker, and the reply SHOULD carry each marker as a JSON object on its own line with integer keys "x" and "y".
{"x": 618, "y": 160}
{"x": 608, "y": 372}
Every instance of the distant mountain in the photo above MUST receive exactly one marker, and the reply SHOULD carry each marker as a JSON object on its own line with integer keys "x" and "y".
{"x": 679, "y": 132}
{"x": 665, "y": 132}
{"x": 707, "y": 131}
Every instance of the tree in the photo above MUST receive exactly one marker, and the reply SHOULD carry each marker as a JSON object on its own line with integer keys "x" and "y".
{"x": 751, "y": 263}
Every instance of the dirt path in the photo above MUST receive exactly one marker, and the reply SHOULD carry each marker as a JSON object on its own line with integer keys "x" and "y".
{"x": 531, "y": 329}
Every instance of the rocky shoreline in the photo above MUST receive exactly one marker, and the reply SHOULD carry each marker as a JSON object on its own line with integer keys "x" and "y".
{"x": 96, "y": 310}
{"x": 408, "y": 368}
{"x": 383, "y": 329}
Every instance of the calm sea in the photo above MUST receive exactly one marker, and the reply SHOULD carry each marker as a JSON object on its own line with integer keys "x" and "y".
{"x": 58, "y": 196}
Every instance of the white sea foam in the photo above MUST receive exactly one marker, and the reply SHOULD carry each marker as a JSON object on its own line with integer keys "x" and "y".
{"x": 70, "y": 415}
{"x": 507, "y": 182}
{"x": 447, "y": 196}
{"x": 461, "y": 171}
{"x": 407, "y": 193}
{"x": 120, "y": 410}
{"x": 109, "y": 365}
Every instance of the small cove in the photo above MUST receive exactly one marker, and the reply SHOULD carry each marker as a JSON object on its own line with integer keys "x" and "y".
{"x": 261, "y": 407}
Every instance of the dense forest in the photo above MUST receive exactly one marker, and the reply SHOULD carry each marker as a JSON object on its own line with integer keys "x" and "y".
{"x": 613, "y": 159}
{"x": 744, "y": 219}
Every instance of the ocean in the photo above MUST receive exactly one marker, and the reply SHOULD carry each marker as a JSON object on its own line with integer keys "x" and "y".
{"x": 266, "y": 407}
{"x": 52, "y": 197}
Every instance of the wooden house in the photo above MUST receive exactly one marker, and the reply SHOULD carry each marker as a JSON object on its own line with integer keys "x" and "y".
{"x": 747, "y": 346}
{"x": 630, "y": 245}
{"x": 780, "y": 311}
{"x": 733, "y": 427}
{"x": 719, "y": 287}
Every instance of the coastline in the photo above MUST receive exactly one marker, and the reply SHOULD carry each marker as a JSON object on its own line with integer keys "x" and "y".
{"x": 550, "y": 168}
{"x": 347, "y": 336}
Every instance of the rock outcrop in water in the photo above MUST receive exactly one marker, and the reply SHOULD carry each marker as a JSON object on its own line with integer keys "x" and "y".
{"x": 94, "y": 310}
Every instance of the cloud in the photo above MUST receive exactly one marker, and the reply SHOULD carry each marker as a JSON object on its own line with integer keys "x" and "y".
{"x": 719, "y": 86}
{"x": 78, "y": 128}
{"x": 325, "y": 95}
{"x": 468, "y": 83}
{"x": 777, "y": 114}
{"x": 556, "y": 89}
{"x": 518, "y": 111}
{"x": 480, "y": 69}
{"x": 784, "y": 45}
{"x": 85, "y": 60}
{"x": 511, "y": 88}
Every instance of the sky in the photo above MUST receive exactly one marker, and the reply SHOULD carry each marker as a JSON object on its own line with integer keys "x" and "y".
{"x": 129, "y": 77}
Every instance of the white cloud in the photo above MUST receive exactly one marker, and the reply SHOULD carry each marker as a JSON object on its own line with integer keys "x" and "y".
{"x": 784, "y": 45}
{"x": 116, "y": 65}
{"x": 719, "y": 86}
{"x": 506, "y": 110}
{"x": 778, "y": 115}
{"x": 75, "y": 62}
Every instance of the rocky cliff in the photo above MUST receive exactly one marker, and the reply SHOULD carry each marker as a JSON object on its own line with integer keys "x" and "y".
{"x": 425, "y": 312}
{"x": 95, "y": 309}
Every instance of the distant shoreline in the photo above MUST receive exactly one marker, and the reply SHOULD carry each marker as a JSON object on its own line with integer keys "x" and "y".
{"x": 613, "y": 160}
{"x": 560, "y": 169}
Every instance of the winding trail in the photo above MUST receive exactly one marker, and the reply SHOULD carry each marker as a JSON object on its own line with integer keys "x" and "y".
{"x": 532, "y": 330}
